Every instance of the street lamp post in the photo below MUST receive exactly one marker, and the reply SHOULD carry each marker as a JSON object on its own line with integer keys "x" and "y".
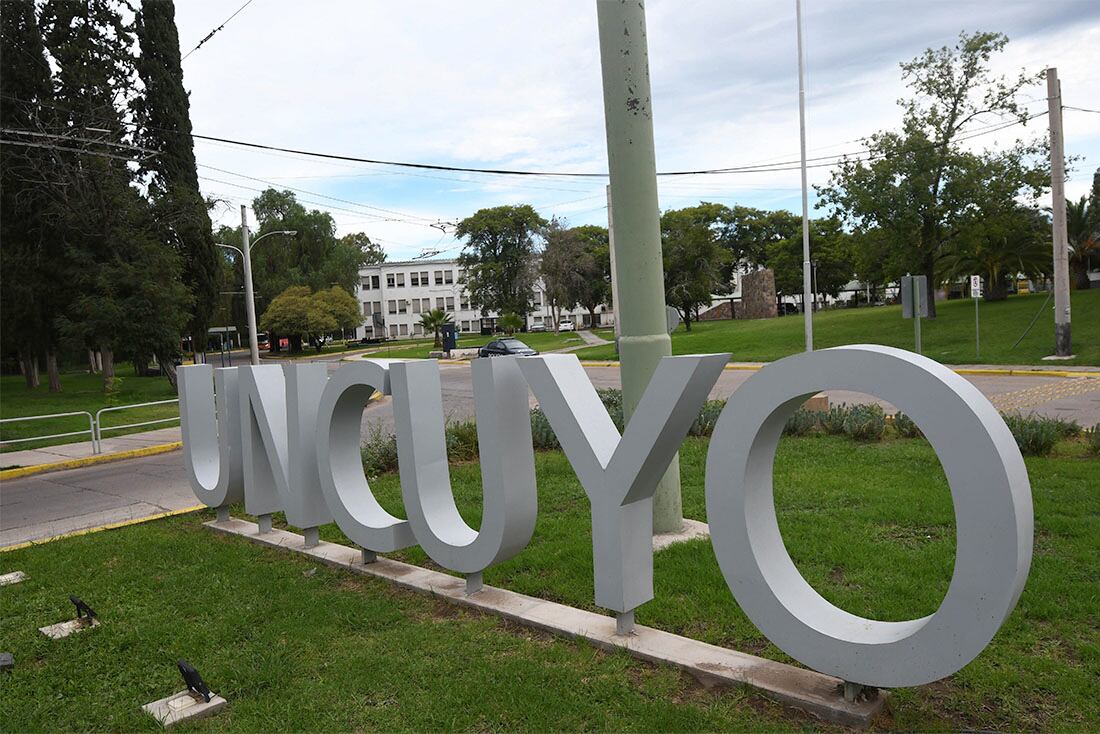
{"x": 245, "y": 252}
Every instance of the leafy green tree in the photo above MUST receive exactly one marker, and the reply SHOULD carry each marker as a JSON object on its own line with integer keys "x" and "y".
{"x": 918, "y": 186}
{"x": 1013, "y": 242}
{"x": 557, "y": 268}
{"x": 299, "y": 315}
{"x": 164, "y": 125}
{"x": 342, "y": 306}
{"x": 499, "y": 257}
{"x": 434, "y": 321}
{"x": 510, "y": 322}
{"x": 373, "y": 253}
{"x": 748, "y": 233}
{"x": 830, "y": 253}
{"x": 1083, "y": 230}
{"x": 592, "y": 284}
{"x": 695, "y": 262}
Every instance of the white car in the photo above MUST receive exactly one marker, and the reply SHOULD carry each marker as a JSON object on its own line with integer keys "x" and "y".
{"x": 566, "y": 325}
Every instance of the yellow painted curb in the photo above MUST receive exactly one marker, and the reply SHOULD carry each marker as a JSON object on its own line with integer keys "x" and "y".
{"x": 100, "y": 528}
{"x": 961, "y": 371}
{"x": 26, "y": 471}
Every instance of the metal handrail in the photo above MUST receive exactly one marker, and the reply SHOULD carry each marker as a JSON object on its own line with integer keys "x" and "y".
{"x": 91, "y": 428}
{"x": 99, "y": 422}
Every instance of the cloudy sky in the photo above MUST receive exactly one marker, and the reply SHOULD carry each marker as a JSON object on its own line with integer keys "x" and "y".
{"x": 488, "y": 83}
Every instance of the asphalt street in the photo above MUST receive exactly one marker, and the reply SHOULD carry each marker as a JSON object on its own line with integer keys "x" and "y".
{"x": 50, "y": 504}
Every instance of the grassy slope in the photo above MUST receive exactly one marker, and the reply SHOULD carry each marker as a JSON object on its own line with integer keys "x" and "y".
{"x": 543, "y": 342}
{"x": 80, "y": 391}
{"x": 949, "y": 338}
{"x": 869, "y": 524}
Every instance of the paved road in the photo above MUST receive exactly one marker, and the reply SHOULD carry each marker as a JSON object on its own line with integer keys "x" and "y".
{"x": 49, "y": 504}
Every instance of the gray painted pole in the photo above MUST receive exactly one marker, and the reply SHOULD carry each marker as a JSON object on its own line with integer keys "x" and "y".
{"x": 639, "y": 272}
{"x": 1062, "y": 343}
{"x": 807, "y": 312}
{"x": 249, "y": 298}
{"x": 611, "y": 252}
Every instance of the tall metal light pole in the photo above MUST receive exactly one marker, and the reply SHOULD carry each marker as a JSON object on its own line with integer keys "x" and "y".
{"x": 639, "y": 273}
{"x": 245, "y": 251}
{"x": 1062, "y": 343}
{"x": 807, "y": 312}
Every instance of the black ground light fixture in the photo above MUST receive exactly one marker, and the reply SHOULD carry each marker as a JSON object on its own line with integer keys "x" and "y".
{"x": 194, "y": 681}
{"x": 83, "y": 611}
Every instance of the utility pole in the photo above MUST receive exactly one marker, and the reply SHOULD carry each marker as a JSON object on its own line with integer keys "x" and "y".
{"x": 639, "y": 273}
{"x": 1062, "y": 343}
{"x": 611, "y": 252}
{"x": 807, "y": 313}
{"x": 249, "y": 298}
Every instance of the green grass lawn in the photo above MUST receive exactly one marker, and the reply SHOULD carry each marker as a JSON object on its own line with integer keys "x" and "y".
{"x": 540, "y": 341}
{"x": 80, "y": 391}
{"x": 870, "y": 525}
{"x": 949, "y": 338}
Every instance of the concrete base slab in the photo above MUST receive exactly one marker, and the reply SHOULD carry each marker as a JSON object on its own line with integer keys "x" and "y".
{"x": 692, "y": 529}
{"x": 183, "y": 706}
{"x": 817, "y": 694}
{"x": 64, "y": 629}
{"x": 12, "y": 578}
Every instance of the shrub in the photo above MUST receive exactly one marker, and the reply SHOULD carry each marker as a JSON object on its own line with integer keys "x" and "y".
{"x": 1034, "y": 435}
{"x": 833, "y": 421}
{"x": 379, "y": 451}
{"x": 462, "y": 440}
{"x": 612, "y": 399}
{"x": 802, "y": 422}
{"x": 542, "y": 435}
{"x": 1092, "y": 440}
{"x": 905, "y": 426}
{"x": 865, "y": 422}
{"x": 708, "y": 416}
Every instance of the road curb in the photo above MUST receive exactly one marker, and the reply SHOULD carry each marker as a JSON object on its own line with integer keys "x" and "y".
{"x": 100, "y": 528}
{"x": 993, "y": 372}
{"x": 26, "y": 471}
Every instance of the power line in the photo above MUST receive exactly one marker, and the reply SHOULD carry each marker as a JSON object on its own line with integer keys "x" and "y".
{"x": 211, "y": 34}
{"x": 1080, "y": 109}
{"x": 50, "y": 146}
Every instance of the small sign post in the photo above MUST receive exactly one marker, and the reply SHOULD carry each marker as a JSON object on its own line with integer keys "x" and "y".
{"x": 913, "y": 303}
{"x": 976, "y": 294}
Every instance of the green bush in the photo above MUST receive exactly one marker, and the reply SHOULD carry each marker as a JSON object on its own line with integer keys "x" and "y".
{"x": 865, "y": 422}
{"x": 379, "y": 451}
{"x": 612, "y": 399}
{"x": 462, "y": 441}
{"x": 802, "y": 422}
{"x": 905, "y": 426}
{"x": 833, "y": 421}
{"x": 708, "y": 416}
{"x": 1035, "y": 435}
{"x": 1092, "y": 440}
{"x": 542, "y": 435}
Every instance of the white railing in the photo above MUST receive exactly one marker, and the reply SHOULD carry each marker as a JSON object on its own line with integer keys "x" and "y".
{"x": 95, "y": 428}
{"x": 91, "y": 428}
{"x": 99, "y": 420}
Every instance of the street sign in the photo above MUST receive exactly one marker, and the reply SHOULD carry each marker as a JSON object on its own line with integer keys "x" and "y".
{"x": 976, "y": 286}
{"x": 913, "y": 289}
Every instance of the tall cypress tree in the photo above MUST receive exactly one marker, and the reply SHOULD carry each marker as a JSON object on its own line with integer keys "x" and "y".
{"x": 163, "y": 116}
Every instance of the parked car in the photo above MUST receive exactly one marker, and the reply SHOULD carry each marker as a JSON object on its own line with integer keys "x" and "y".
{"x": 566, "y": 325}
{"x": 786, "y": 309}
{"x": 506, "y": 346}
{"x": 539, "y": 327}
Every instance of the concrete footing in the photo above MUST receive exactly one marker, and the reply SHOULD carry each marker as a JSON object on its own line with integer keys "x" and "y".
{"x": 183, "y": 706}
{"x": 264, "y": 524}
{"x": 223, "y": 513}
{"x": 12, "y": 578}
{"x": 474, "y": 583}
{"x": 64, "y": 629}
{"x": 817, "y": 694}
{"x": 311, "y": 536}
{"x": 691, "y": 530}
{"x": 624, "y": 623}
{"x": 368, "y": 556}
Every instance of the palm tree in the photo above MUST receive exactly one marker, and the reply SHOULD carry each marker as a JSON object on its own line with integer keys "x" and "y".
{"x": 1007, "y": 245}
{"x": 509, "y": 322}
{"x": 434, "y": 321}
{"x": 1083, "y": 229}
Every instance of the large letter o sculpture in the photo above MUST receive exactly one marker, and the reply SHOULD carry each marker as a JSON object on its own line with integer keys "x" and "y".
{"x": 989, "y": 489}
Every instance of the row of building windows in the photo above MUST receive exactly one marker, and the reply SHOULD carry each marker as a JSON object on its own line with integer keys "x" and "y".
{"x": 416, "y": 278}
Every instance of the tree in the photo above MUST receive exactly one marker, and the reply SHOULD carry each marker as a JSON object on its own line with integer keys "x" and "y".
{"x": 557, "y": 268}
{"x": 498, "y": 257}
{"x": 592, "y": 282}
{"x": 510, "y": 322}
{"x": 1083, "y": 229}
{"x": 831, "y": 258}
{"x": 164, "y": 125}
{"x": 342, "y": 306}
{"x": 694, "y": 261}
{"x": 1003, "y": 246}
{"x": 434, "y": 321}
{"x": 299, "y": 315}
{"x": 749, "y": 233}
{"x": 372, "y": 251}
{"x": 917, "y": 186}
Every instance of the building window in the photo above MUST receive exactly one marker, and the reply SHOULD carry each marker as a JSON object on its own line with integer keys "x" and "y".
{"x": 404, "y": 329}
{"x": 537, "y": 299}
{"x": 393, "y": 329}
{"x": 374, "y": 282}
{"x": 390, "y": 280}
{"x": 392, "y": 306}
{"x": 416, "y": 303}
{"x": 377, "y": 307}
{"x": 365, "y": 282}
{"x": 414, "y": 278}
{"x": 402, "y": 305}
{"x": 448, "y": 276}
{"x": 400, "y": 280}
{"x": 366, "y": 308}
{"x": 465, "y": 326}
{"x": 426, "y": 305}
{"x": 439, "y": 303}
{"x": 418, "y": 328}
{"x": 538, "y": 319}
{"x": 465, "y": 302}
{"x": 439, "y": 277}
{"x": 424, "y": 277}
{"x": 451, "y": 303}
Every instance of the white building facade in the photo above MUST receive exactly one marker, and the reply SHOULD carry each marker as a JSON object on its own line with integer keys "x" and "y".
{"x": 394, "y": 295}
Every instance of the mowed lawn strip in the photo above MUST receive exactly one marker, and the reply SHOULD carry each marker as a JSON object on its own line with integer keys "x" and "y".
{"x": 297, "y": 646}
{"x": 540, "y": 341}
{"x": 81, "y": 391}
{"x": 949, "y": 338}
